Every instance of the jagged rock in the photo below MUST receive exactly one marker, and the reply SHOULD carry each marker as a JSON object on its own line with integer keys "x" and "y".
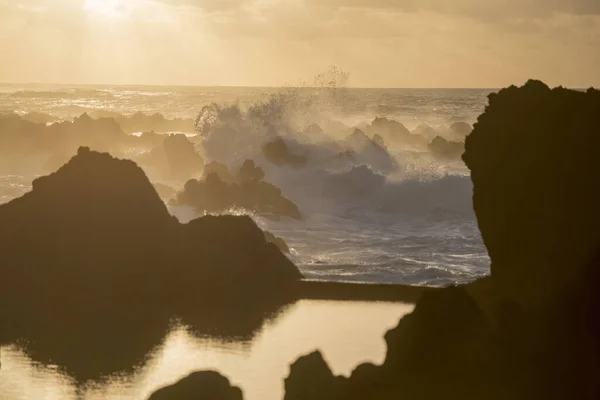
{"x": 532, "y": 157}
{"x": 369, "y": 152}
{"x": 94, "y": 266}
{"x": 208, "y": 385}
{"x": 221, "y": 170}
{"x": 277, "y": 152}
{"x": 394, "y": 132}
{"x": 277, "y": 241}
{"x": 443, "y": 148}
{"x": 248, "y": 191}
{"x": 250, "y": 172}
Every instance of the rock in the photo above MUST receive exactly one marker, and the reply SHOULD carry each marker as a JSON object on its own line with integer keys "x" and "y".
{"x": 248, "y": 192}
{"x": 536, "y": 187}
{"x": 369, "y": 152}
{"x": 207, "y": 385}
{"x": 183, "y": 160}
{"x": 221, "y": 170}
{"x": 249, "y": 172}
{"x": 442, "y": 148}
{"x": 277, "y": 241}
{"x": 277, "y": 152}
{"x": 394, "y": 133}
{"x": 94, "y": 267}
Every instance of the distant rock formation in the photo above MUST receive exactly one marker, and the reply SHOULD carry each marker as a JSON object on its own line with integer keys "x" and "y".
{"x": 208, "y": 385}
{"x": 277, "y": 152}
{"x": 183, "y": 160}
{"x": 394, "y": 133}
{"x": 369, "y": 151}
{"x": 92, "y": 252}
{"x": 445, "y": 149}
{"x": 248, "y": 191}
{"x": 530, "y": 330}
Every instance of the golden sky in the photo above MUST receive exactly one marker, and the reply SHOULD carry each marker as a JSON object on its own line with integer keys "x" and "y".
{"x": 380, "y": 43}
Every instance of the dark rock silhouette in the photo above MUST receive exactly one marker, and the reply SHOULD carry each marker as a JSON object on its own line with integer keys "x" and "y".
{"x": 207, "y": 385}
{"x": 94, "y": 267}
{"x": 530, "y": 330}
{"x": 277, "y": 241}
{"x": 394, "y": 132}
{"x": 221, "y": 170}
{"x": 369, "y": 151}
{"x": 248, "y": 191}
{"x": 277, "y": 152}
{"x": 445, "y": 149}
{"x": 249, "y": 172}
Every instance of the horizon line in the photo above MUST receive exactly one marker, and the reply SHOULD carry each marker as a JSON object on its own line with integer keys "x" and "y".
{"x": 241, "y": 86}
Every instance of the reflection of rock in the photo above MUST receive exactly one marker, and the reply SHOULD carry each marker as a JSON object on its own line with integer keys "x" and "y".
{"x": 530, "y": 330}
{"x": 94, "y": 266}
{"x": 311, "y": 378}
{"x": 199, "y": 385}
{"x": 442, "y": 148}
{"x": 213, "y": 195}
{"x": 277, "y": 152}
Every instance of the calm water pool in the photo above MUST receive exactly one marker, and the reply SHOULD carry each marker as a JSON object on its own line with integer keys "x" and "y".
{"x": 347, "y": 333}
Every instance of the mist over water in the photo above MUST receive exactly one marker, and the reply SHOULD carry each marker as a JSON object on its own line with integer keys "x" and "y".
{"x": 397, "y": 211}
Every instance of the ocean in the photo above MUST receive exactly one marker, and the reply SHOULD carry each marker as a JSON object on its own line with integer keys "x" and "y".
{"x": 364, "y": 221}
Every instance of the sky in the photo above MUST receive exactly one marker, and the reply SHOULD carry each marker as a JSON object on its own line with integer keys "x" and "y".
{"x": 380, "y": 43}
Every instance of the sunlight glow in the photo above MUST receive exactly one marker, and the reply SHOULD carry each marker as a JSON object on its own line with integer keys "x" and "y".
{"x": 105, "y": 8}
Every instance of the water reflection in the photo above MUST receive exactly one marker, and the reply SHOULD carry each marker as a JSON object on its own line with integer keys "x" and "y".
{"x": 348, "y": 333}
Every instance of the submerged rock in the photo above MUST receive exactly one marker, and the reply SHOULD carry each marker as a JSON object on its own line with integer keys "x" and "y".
{"x": 208, "y": 385}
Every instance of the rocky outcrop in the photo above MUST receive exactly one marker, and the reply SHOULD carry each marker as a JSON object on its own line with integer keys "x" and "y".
{"x": 530, "y": 330}
{"x": 248, "y": 191}
{"x": 445, "y": 149}
{"x": 369, "y": 151}
{"x": 394, "y": 133}
{"x": 278, "y": 153}
{"x": 208, "y": 385}
{"x": 91, "y": 255}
